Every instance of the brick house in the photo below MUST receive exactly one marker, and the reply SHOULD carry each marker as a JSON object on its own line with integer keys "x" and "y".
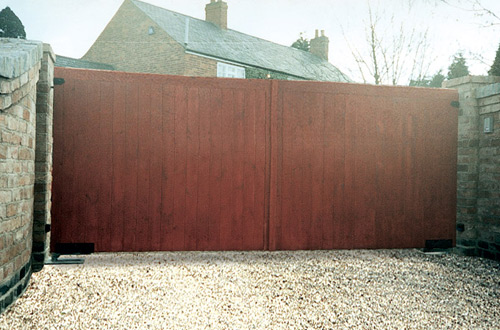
{"x": 144, "y": 38}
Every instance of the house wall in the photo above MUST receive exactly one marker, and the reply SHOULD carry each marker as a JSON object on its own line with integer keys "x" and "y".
{"x": 20, "y": 79}
{"x": 197, "y": 66}
{"x": 126, "y": 44}
{"x": 478, "y": 177}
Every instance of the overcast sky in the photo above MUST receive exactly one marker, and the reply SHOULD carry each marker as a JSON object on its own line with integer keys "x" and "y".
{"x": 71, "y": 26}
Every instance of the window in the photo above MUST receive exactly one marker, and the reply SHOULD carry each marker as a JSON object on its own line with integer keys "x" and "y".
{"x": 230, "y": 71}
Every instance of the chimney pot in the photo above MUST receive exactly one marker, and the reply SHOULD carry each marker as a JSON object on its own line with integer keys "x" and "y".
{"x": 319, "y": 45}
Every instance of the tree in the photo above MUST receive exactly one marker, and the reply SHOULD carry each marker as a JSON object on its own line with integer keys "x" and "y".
{"x": 302, "y": 43}
{"x": 495, "y": 68}
{"x": 458, "y": 68}
{"x": 392, "y": 55}
{"x": 435, "y": 81}
{"x": 10, "y": 25}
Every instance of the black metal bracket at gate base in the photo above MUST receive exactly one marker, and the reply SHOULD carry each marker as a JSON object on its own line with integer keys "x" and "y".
{"x": 54, "y": 260}
{"x": 437, "y": 245}
{"x": 69, "y": 249}
{"x": 74, "y": 248}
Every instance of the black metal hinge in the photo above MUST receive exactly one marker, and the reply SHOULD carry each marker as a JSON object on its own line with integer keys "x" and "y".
{"x": 58, "y": 81}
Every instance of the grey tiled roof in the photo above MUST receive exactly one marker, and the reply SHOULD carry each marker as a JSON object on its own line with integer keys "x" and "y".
{"x": 208, "y": 39}
{"x": 68, "y": 62}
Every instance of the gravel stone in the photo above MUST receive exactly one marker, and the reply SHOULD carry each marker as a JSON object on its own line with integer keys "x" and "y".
{"x": 357, "y": 289}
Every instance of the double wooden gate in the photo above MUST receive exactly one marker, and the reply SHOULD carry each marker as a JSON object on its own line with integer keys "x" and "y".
{"x": 149, "y": 162}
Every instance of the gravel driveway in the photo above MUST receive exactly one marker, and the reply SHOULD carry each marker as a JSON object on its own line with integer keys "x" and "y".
{"x": 361, "y": 289}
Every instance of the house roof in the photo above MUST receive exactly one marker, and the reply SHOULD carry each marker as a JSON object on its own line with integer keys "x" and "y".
{"x": 68, "y": 62}
{"x": 208, "y": 39}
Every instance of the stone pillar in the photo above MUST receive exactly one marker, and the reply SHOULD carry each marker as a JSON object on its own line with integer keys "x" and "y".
{"x": 468, "y": 162}
{"x": 43, "y": 159}
{"x": 20, "y": 62}
{"x": 488, "y": 202}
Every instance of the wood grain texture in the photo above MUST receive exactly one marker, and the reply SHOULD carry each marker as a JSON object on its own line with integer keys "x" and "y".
{"x": 148, "y": 162}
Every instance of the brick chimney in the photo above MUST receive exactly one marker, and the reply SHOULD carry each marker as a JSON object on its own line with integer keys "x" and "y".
{"x": 319, "y": 45}
{"x": 216, "y": 12}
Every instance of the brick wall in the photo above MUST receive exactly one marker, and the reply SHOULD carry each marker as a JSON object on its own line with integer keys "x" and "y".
{"x": 197, "y": 66}
{"x": 478, "y": 194}
{"x": 20, "y": 64}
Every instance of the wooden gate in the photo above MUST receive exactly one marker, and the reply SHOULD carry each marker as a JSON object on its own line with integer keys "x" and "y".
{"x": 147, "y": 162}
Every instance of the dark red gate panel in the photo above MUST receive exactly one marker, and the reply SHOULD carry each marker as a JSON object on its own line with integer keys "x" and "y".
{"x": 148, "y": 162}
{"x": 362, "y": 166}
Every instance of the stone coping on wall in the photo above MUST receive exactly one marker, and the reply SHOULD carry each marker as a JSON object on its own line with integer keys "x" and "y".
{"x": 17, "y": 56}
{"x": 453, "y": 83}
{"x": 489, "y": 90}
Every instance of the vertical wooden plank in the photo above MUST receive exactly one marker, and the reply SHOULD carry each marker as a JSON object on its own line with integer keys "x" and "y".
{"x": 296, "y": 183}
{"x": 119, "y": 166}
{"x": 388, "y": 171}
{"x": 411, "y": 210}
{"x": 92, "y": 156}
{"x": 193, "y": 149}
{"x": 142, "y": 238}
{"x": 215, "y": 172}
{"x": 227, "y": 170}
{"x": 131, "y": 175}
{"x": 237, "y": 167}
{"x": 78, "y": 127}
{"x": 180, "y": 170}
{"x": 168, "y": 181}
{"x": 345, "y": 235}
{"x": 204, "y": 218}
{"x": 420, "y": 179}
{"x": 275, "y": 167}
{"x": 105, "y": 170}
{"x": 441, "y": 151}
{"x": 156, "y": 157}
{"x": 305, "y": 176}
{"x": 333, "y": 201}
{"x": 365, "y": 181}
{"x": 316, "y": 136}
{"x": 262, "y": 140}
{"x": 249, "y": 222}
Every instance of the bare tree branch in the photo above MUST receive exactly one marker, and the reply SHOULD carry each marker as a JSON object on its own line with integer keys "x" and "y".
{"x": 393, "y": 55}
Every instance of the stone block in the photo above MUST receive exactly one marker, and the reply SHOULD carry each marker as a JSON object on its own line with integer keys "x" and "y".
{"x": 5, "y": 101}
{"x": 18, "y": 56}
